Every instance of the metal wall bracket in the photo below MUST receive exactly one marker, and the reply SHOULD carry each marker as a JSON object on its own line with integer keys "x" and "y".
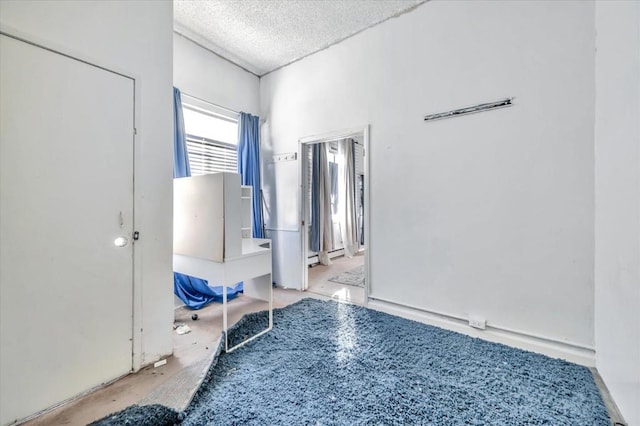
{"x": 470, "y": 109}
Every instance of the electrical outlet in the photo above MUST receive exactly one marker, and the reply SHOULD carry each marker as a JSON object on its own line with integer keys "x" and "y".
{"x": 477, "y": 322}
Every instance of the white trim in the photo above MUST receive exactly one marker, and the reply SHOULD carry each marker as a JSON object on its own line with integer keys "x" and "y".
{"x": 314, "y": 259}
{"x": 63, "y": 50}
{"x": 333, "y": 43}
{"x": 367, "y": 215}
{"x": 137, "y": 355}
{"x": 205, "y": 44}
{"x": 208, "y": 107}
{"x": 577, "y": 353}
{"x": 334, "y": 135}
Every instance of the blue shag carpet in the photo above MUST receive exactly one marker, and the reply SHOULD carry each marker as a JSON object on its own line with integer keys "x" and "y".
{"x": 136, "y": 415}
{"x": 328, "y": 363}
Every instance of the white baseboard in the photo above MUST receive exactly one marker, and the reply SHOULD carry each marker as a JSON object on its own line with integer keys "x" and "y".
{"x": 313, "y": 260}
{"x": 552, "y": 348}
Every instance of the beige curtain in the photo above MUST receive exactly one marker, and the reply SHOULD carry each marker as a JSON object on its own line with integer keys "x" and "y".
{"x": 349, "y": 232}
{"x": 321, "y": 220}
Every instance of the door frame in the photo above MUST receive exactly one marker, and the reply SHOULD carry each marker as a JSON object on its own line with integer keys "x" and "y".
{"x": 305, "y": 142}
{"x": 136, "y": 294}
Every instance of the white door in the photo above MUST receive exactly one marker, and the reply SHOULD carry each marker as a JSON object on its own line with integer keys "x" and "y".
{"x": 66, "y": 180}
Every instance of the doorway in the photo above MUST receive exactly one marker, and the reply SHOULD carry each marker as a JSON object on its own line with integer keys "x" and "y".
{"x": 334, "y": 211}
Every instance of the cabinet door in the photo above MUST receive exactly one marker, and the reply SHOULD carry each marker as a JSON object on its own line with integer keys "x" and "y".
{"x": 66, "y": 195}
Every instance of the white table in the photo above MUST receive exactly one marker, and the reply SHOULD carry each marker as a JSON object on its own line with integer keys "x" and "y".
{"x": 255, "y": 261}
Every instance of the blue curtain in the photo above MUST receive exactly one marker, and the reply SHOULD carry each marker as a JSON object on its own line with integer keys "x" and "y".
{"x": 194, "y": 292}
{"x": 249, "y": 164}
{"x": 180, "y": 154}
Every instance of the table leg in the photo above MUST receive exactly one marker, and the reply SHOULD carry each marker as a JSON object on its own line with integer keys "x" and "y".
{"x": 224, "y": 317}
{"x": 269, "y": 328}
{"x": 270, "y": 301}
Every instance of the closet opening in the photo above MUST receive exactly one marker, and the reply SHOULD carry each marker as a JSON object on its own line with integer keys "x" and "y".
{"x": 334, "y": 204}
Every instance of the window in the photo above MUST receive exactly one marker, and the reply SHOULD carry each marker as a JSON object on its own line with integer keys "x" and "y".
{"x": 212, "y": 137}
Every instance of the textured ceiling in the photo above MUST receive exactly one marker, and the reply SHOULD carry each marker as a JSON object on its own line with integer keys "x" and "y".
{"x": 263, "y": 35}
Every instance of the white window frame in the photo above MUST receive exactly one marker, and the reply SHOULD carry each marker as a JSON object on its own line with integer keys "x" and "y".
{"x": 222, "y": 156}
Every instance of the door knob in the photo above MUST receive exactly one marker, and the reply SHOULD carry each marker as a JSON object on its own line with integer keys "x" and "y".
{"x": 121, "y": 241}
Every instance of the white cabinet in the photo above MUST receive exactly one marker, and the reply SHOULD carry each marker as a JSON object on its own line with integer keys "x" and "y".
{"x": 206, "y": 223}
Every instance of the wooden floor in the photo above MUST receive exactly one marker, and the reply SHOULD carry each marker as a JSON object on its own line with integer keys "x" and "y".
{"x": 319, "y": 275}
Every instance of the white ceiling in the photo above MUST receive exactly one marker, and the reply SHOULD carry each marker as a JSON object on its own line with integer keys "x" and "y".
{"x": 263, "y": 35}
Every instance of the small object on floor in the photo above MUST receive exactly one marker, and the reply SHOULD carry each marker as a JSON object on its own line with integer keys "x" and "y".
{"x": 183, "y": 329}
{"x": 159, "y": 363}
{"x": 194, "y": 317}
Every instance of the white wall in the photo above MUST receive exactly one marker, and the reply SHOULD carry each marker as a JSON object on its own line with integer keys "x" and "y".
{"x": 133, "y": 37}
{"x": 489, "y": 214}
{"x": 201, "y": 73}
{"x": 617, "y": 203}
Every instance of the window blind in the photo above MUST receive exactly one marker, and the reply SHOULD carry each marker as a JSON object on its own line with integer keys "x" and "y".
{"x": 210, "y": 156}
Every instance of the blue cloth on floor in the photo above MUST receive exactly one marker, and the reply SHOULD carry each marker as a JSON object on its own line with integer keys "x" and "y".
{"x": 196, "y": 293}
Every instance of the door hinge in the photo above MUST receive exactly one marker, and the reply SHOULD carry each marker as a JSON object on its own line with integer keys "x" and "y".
{"x": 136, "y": 236}
{"x": 135, "y": 131}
